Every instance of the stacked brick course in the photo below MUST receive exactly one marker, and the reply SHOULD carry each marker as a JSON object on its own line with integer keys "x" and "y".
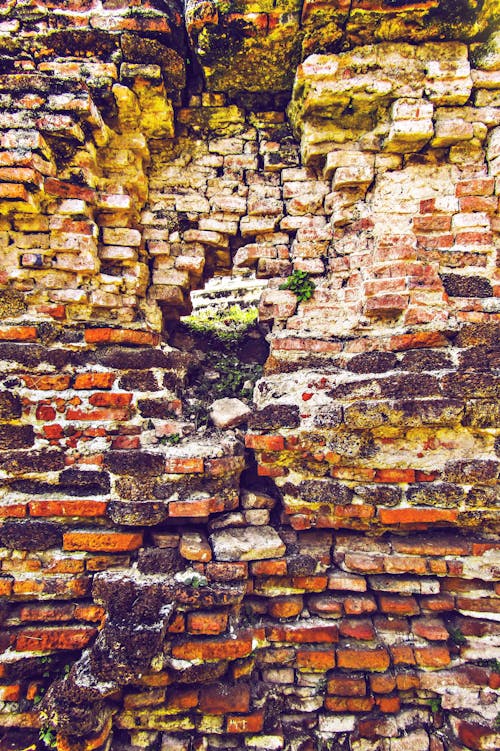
{"x": 327, "y": 577}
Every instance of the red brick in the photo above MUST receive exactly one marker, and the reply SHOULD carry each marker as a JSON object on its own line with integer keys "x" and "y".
{"x": 471, "y": 734}
{"x": 179, "y": 466}
{"x": 400, "y": 564}
{"x": 221, "y": 699}
{"x": 431, "y": 222}
{"x": 121, "y": 336}
{"x": 357, "y": 628}
{"x": 416, "y": 515}
{"x": 359, "y": 604}
{"x": 438, "y": 603}
{"x": 94, "y": 381}
{"x": 207, "y": 623}
{"x": 272, "y": 470}
{"x": 62, "y": 637}
{"x": 342, "y": 685}
{"x": 102, "y": 541}
{"x": 363, "y": 659}
{"x": 92, "y": 613}
{"x": 398, "y": 605}
{"x": 430, "y": 628}
{"x": 47, "y": 612}
{"x": 71, "y": 507}
{"x": 45, "y": 412}
{"x": 476, "y": 187}
{"x": 315, "y": 660}
{"x": 252, "y": 723}
{"x": 365, "y": 563}
{"x": 110, "y": 399}
{"x": 347, "y": 704}
{"x": 62, "y": 189}
{"x": 18, "y": 334}
{"x": 432, "y": 657}
{"x": 419, "y": 339}
{"x": 479, "y": 203}
{"x": 195, "y": 508}
{"x": 265, "y": 442}
{"x": 102, "y": 414}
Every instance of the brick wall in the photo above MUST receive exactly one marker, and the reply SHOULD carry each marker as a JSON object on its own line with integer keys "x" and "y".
{"x": 325, "y": 576}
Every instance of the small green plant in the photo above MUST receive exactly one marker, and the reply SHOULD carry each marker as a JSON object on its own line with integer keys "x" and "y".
{"x": 435, "y": 705}
{"x": 456, "y": 635}
{"x": 301, "y": 284}
{"x": 47, "y": 736}
{"x": 170, "y": 440}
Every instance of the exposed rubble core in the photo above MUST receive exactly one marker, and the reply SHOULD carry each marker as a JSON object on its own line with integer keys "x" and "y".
{"x": 286, "y": 538}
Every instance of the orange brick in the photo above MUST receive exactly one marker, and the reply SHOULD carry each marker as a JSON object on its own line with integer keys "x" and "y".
{"x": 432, "y": 657}
{"x": 265, "y": 442}
{"x": 395, "y": 475}
{"x": 88, "y": 381}
{"x": 102, "y": 541}
{"x": 348, "y": 704}
{"x": 285, "y": 607}
{"x": 92, "y": 613}
{"x": 206, "y": 623}
{"x": 310, "y": 583}
{"x": 46, "y": 382}
{"x": 10, "y": 693}
{"x": 64, "y": 637}
{"x": 270, "y": 567}
{"x": 220, "y": 649}
{"x": 363, "y": 659}
{"x": 315, "y": 660}
{"x": 304, "y": 634}
{"x": 407, "y": 681}
{"x": 221, "y": 699}
{"x": 252, "y": 723}
{"x": 416, "y": 515}
{"x": 12, "y": 509}
{"x": 389, "y": 704}
{"x": 402, "y": 654}
{"x": 183, "y": 699}
{"x": 184, "y": 466}
{"x": 197, "y": 508}
{"x": 120, "y": 336}
{"x": 398, "y": 605}
{"x": 18, "y": 334}
{"x": 68, "y": 508}
{"x": 382, "y": 684}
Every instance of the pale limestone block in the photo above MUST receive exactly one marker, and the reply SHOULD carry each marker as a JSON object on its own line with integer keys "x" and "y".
{"x": 228, "y": 413}
{"x": 411, "y": 109}
{"x": 257, "y": 225}
{"x": 352, "y": 177}
{"x": 406, "y": 136}
{"x": 347, "y": 158}
{"x": 247, "y": 544}
{"x": 172, "y": 277}
{"x": 449, "y": 132}
{"x": 121, "y": 236}
{"x": 117, "y": 253}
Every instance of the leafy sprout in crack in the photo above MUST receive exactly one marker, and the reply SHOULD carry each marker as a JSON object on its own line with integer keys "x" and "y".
{"x": 301, "y": 284}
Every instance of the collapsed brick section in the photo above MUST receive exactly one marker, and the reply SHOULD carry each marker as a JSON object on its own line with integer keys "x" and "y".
{"x": 347, "y": 595}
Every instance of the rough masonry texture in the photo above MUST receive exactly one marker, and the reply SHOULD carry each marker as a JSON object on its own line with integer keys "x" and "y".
{"x": 325, "y": 575}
